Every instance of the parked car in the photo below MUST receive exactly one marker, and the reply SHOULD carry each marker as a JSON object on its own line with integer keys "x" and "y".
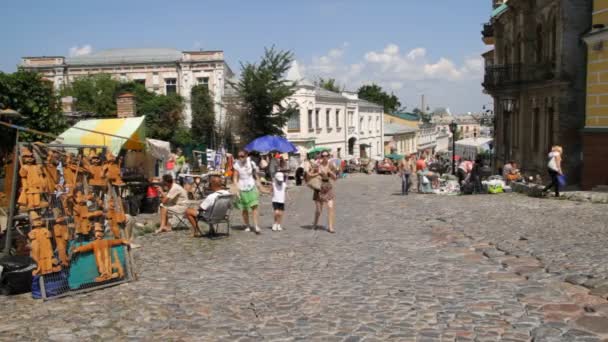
{"x": 386, "y": 166}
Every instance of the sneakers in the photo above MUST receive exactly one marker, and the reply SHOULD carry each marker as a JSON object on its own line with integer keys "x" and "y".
{"x": 257, "y": 230}
{"x": 279, "y": 228}
{"x": 247, "y": 229}
{"x": 274, "y": 227}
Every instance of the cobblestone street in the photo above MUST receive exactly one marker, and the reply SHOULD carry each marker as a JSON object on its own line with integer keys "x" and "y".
{"x": 417, "y": 268}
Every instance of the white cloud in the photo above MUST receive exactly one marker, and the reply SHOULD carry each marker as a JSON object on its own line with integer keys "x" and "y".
{"x": 80, "y": 50}
{"x": 408, "y": 73}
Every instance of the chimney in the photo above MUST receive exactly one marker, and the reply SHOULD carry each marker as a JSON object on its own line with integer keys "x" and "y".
{"x": 67, "y": 104}
{"x": 125, "y": 105}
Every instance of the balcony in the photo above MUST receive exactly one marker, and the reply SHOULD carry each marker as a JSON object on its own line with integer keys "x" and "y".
{"x": 488, "y": 34}
{"x": 498, "y": 76}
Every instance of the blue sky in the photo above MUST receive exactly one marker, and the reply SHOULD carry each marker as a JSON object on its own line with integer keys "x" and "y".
{"x": 410, "y": 47}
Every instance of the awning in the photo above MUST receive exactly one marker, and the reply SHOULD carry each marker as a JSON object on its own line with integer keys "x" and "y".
{"x": 115, "y": 133}
{"x": 158, "y": 149}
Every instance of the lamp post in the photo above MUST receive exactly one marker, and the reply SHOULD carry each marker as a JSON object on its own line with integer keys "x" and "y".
{"x": 11, "y": 115}
{"x": 453, "y": 128}
{"x": 507, "y": 109}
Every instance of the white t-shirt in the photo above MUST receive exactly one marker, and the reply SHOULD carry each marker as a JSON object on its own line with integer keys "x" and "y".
{"x": 176, "y": 195}
{"x": 246, "y": 180}
{"x": 210, "y": 200}
{"x": 278, "y": 191}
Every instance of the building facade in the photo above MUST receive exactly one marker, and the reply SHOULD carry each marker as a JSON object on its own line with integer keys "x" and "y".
{"x": 163, "y": 71}
{"x": 400, "y": 139}
{"x": 595, "y": 133}
{"x": 534, "y": 76}
{"x": 349, "y": 126}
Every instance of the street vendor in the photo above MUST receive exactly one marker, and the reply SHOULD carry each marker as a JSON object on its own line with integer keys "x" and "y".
{"x": 173, "y": 200}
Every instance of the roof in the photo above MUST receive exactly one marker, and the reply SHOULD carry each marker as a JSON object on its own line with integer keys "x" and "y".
{"x": 121, "y": 56}
{"x": 474, "y": 141}
{"x": 406, "y": 116}
{"x": 365, "y": 103}
{"x": 396, "y": 129}
{"x": 324, "y": 93}
{"x": 124, "y": 132}
{"x": 499, "y": 10}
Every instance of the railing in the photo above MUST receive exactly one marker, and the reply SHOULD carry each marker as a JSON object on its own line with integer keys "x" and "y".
{"x": 513, "y": 74}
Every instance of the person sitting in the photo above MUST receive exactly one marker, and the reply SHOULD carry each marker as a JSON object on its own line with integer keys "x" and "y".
{"x": 173, "y": 200}
{"x": 511, "y": 172}
{"x": 192, "y": 214}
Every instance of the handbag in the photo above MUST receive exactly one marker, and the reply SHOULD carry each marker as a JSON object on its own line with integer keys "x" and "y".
{"x": 314, "y": 183}
{"x": 425, "y": 180}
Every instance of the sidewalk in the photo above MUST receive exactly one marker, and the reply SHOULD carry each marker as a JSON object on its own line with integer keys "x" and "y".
{"x": 535, "y": 190}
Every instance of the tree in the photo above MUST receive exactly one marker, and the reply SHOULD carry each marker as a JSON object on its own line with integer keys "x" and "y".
{"x": 329, "y": 84}
{"x": 203, "y": 117}
{"x": 94, "y": 94}
{"x": 163, "y": 116}
{"x": 35, "y": 99}
{"x": 374, "y": 93}
{"x": 262, "y": 90}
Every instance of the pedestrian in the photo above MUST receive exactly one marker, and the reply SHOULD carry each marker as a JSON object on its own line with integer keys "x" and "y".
{"x": 326, "y": 194}
{"x": 170, "y": 165}
{"x": 405, "y": 173}
{"x": 279, "y": 194}
{"x": 420, "y": 168}
{"x": 555, "y": 168}
{"x": 476, "y": 174}
{"x": 248, "y": 195}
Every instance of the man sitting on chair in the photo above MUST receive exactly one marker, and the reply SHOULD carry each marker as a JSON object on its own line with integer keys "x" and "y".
{"x": 173, "y": 201}
{"x": 215, "y": 186}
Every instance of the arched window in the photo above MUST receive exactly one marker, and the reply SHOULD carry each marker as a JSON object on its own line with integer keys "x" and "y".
{"x": 539, "y": 44}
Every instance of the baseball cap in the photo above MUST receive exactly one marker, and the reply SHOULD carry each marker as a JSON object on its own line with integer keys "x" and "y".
{"x": 279, "y": 176}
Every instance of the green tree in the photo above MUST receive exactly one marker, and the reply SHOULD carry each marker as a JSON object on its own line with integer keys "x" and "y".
{"x": 163, "y": 115}
{"x": 262, "y": 90}
{"x": 94, "y": 94}
{"x": 203, "y": 117}
{"x": 35, "y": 99}
{"x": 374, "y": 93}
{"x": 329, "y": 84}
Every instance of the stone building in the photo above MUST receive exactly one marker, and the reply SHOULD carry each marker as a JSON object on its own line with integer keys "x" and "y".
{"x": 534, "y": 73}
{"x": 400, "y": 139}
{"x": 595, "y": 133}
{"x": 349, "y": 126}
{"x": 164, "y": 71}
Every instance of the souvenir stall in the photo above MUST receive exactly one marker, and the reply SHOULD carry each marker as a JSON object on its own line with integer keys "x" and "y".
{"x": 64, "y": 198}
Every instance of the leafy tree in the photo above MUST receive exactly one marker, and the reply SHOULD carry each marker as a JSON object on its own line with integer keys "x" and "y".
{"x": 35, "y": 99}
{"x": 163, "y": 115}
{"x": 262, "y": 90}
{"x": 94, "y": 94}
{"x": 203, "y": 116}
{"x": 329, "y": 84}
{"x": 374, "y": 93}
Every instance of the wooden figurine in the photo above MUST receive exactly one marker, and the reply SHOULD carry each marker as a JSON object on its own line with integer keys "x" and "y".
{"x": 50, "y": 170}
{"x": 72, "y": 171}
{"x": 33, "y": 182}
{"x": 111, "y": 170}
{"x": 42, "y": 250}
{"x": 95, "y": 169}
{"x": 82, "y": 215}
{"x": 8, "y": 174}
{"x": 101, "y": 248}
{"x": 115, "y": 216}
{"x": 62, "y": 236}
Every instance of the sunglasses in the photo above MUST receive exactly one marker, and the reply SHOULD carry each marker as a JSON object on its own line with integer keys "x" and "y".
{"x": 241, "y": 156}
{"x": 325, "y": 155}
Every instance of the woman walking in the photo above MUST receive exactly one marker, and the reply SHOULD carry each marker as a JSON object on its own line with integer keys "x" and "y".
{"x": 245, "y": 178}
{"x": 555, "y": 168}
{"x": 405, "y": 171}
{"x": 327, "y": 172}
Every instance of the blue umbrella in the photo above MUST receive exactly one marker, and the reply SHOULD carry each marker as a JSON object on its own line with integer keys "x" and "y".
{"x": 270, "y": 143}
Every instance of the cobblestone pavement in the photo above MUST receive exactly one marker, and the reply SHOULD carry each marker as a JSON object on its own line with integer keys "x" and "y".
{"x": 415, "y": 268}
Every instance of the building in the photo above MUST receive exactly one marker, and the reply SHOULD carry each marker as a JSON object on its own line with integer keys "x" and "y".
{"x": 595, "y": 133}
{"x": 468, "y": 126}
{"x": 426, "y": 133}
{"x": 403, "y": 118}
{"x": 164, "y": 71}
{"x": 349, "y": 126}
{"x": 534, "y": 76}
{"x": 400, "y": 139}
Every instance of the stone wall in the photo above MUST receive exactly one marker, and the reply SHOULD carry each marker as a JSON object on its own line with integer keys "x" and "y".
{"x": 595, "y": 160}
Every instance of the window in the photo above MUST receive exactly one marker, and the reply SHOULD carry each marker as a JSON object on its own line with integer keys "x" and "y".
{"x": 293, "y": 124}
{"x": 378, "y": 124}
{"x": 337, "y": 118}
{"x": 369, "y": 124}
{"x": 141, "y": 81}
{"x": 327, "y": 123}
{"x": 317, "y": 118}
{"x": 170, "y": 86}
{"x": 351, "y": 119}
{"x": 123, "y": 77}
{"x": 310, "y": 124}
{"x": 155, "y": 79}
{"x": 361, "y": 124}
{"x": 203, "y": 81}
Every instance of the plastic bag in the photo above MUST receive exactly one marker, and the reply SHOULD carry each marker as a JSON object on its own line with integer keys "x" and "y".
{"x": 561, "y": 179}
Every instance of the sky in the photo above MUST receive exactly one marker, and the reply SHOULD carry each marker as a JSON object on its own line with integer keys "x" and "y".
{"x": 409, "y": 47}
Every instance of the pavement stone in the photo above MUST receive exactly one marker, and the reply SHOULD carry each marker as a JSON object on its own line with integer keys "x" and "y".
{"x": 402, "y": 268}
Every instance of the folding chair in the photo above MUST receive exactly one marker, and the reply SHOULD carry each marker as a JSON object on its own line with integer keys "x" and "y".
{"x": 218, "y": 213}
{"x": 177, "y": 220}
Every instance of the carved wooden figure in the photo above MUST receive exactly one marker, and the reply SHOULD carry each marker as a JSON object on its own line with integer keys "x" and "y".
{"x": 116, "y": 217}
{"x": 72, "y": 171}
{"x": 50, "y": 171}
{"x": 62, "y": 236}
{"x": 82, "y": 215}
{"x": 111, "y": 170}
{"x": 96, "y": 170}
{"x": 42, "y": 250}
{"x": 101, "y": 249}
{"x": 33, "y": 182}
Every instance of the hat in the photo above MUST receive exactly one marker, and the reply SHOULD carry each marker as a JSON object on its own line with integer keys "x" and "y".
{"x": 279, "y": 176}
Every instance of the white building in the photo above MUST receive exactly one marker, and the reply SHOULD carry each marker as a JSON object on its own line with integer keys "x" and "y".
{"x": 164, "y": 71}
{"x": 350, "y": 127}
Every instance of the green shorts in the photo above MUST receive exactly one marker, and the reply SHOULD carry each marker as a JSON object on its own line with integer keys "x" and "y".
{"x": 247, "y": 199}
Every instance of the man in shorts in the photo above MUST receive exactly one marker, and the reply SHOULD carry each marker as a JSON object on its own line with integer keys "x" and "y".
{"x": 174, "y": 200}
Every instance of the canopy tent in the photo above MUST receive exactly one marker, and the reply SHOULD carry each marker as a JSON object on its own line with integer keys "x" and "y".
{"x": 394, "y": 156}
{"x": 115, "y": 133}
{"x": 159, "y": 149}
{"x": 319, "y": 149}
